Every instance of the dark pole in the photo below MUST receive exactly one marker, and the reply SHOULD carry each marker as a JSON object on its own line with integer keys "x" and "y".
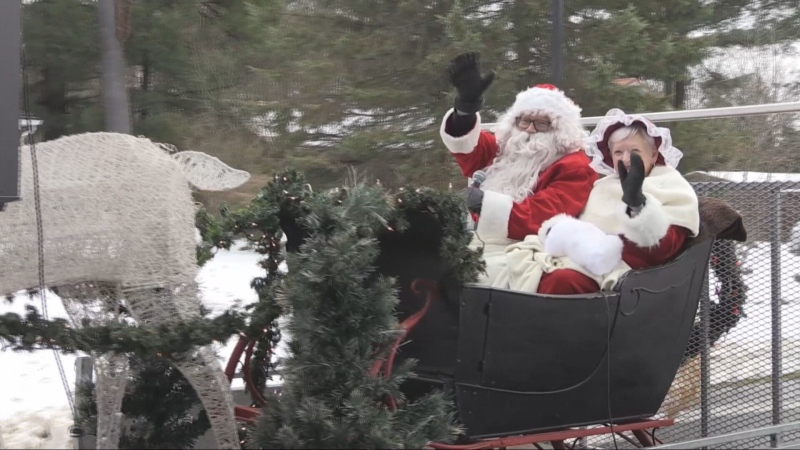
{"x": 10, "y": 87}
{"x": 558, "y": 43}
{"x": 115, "y": 96}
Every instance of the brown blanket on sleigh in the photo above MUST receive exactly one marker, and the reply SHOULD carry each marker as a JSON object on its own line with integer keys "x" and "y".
{"x": 718, "y": 220}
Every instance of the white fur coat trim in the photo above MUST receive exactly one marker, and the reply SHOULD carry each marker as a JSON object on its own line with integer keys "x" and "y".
{"x": 520, "y": 265}
{"x": 463, "y": 144}
{"x": 596, "y": 251}
{"x": 553, "y": 102}
{"x": 671, "y": 200}
{"x": 648, "y": 227}
{"x": 495, "y": 212}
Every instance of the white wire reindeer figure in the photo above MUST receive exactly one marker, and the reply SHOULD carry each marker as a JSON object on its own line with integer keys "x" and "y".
{"x": 117, "y": 216}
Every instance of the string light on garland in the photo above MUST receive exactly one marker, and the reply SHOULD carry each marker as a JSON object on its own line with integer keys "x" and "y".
{"x": 260, "y": 224}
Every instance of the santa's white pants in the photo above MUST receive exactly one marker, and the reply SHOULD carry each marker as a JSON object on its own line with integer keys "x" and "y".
{"x": 494, "y": 254}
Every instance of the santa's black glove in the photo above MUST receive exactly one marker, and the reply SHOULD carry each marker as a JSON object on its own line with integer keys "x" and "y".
{"x": 632, "y": 182}
{"x": 474, "y": 198}
{"x": 465, "y": 74}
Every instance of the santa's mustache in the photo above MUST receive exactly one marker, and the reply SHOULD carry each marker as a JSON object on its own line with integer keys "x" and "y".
{"x": 531, "y": 143}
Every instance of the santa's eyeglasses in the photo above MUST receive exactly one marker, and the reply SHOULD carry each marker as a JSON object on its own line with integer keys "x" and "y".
{"x": 523, "y": 123}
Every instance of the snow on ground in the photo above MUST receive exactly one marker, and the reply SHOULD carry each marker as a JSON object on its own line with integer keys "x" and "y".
{"x": 754, "y": 177}
{"x": 225, "y": 280}
{"x": 32, "y": 396}
{"x": 746, "y": 352}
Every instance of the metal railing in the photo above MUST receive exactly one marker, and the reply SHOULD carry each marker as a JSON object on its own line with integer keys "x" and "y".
{"x": 697, "y": 114}
{"x": 734, "y": 437}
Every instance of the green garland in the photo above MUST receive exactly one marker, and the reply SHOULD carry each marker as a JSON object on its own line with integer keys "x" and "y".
{"x": 32, "y": 332}
{"x": 214, "y": 234}
{"x": 262, "y": 224}
{"x": 449, "y": 209}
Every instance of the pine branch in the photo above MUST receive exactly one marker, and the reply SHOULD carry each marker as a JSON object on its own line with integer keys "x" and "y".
{"x": 32, "y": 332}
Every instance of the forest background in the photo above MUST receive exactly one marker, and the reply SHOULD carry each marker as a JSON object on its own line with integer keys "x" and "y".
{"x": 325, "y": 85}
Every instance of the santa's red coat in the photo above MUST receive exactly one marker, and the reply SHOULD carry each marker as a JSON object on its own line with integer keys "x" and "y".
{"x": 563, "y": 187}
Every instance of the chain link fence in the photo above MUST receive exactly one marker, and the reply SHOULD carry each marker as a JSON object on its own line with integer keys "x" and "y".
{"x": 744, "y": 373}
{"x": 750, "y": 376}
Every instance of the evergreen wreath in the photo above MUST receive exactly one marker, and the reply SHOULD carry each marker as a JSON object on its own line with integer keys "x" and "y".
{"x": 730, "y": 290}
{"x": 263, "y": 223}
{"x": 341, "y": 313}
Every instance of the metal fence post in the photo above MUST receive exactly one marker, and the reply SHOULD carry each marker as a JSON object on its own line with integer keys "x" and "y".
{"x": 705, "y": 358}
{"x": 775, "y": 272}
{"x": 84, "y": 367}
{"x": 10, "y": 84}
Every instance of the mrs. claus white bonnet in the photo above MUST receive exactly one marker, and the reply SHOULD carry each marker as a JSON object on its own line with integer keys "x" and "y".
{"x": 597, "y": 142}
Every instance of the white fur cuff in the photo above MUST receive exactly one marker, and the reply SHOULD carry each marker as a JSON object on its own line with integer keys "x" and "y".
{"x": 495, "y": 212}
{"x": 582, "y": 242}
{"x": 463, "y": 144}
{"x": 649, "y": 226}
{"x": 549, "y": 224}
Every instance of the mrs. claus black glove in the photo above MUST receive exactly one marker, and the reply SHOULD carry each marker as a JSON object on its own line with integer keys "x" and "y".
{"x": 632, "y": 182}
{"x": 465, "y": 74}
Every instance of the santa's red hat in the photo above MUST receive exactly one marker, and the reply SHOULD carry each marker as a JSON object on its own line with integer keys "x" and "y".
{"x": 547, "y": 99}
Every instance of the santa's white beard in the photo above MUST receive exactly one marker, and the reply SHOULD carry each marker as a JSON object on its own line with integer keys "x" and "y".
{"x": 521, "y": 159}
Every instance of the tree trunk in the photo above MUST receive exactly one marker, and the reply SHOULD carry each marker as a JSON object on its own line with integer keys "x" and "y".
{"x": 115, "y": 96}
{"x": 53, "y": 98}
{"x": 523, "y": 43}
{"x": 145, "y": 83}
{"x": 680, "y": 94}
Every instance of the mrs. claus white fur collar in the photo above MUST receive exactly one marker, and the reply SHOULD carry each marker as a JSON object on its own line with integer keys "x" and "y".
{"x": 670, "y": 201}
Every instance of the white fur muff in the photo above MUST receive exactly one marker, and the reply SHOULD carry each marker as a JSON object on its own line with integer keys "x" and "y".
{"x": 582, "y": 242}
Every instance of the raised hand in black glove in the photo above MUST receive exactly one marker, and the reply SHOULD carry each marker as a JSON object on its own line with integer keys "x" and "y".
{"x": 465, "y": 74}
{"x": 632, "y": 182}
{"x": 474, "y": 198}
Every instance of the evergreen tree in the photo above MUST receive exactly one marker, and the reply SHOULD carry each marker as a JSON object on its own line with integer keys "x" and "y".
{"x": 326, "y": 85}
{"x": 62, "y": 54}
{"x": 189, "y": 70}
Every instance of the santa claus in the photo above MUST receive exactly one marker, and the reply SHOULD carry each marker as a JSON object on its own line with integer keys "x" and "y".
{"x": 533, "y": 164}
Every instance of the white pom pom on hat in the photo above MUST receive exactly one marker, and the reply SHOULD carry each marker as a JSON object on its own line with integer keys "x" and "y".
{"x": 545, "y": 98}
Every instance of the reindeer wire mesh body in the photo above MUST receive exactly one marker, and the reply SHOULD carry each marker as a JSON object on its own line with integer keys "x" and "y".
{"x": 119, "y": 225}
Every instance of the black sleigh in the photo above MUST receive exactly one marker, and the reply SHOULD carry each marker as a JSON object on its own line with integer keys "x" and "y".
{"x": 519, "y": 363}
{"x": 523, "y": 367}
